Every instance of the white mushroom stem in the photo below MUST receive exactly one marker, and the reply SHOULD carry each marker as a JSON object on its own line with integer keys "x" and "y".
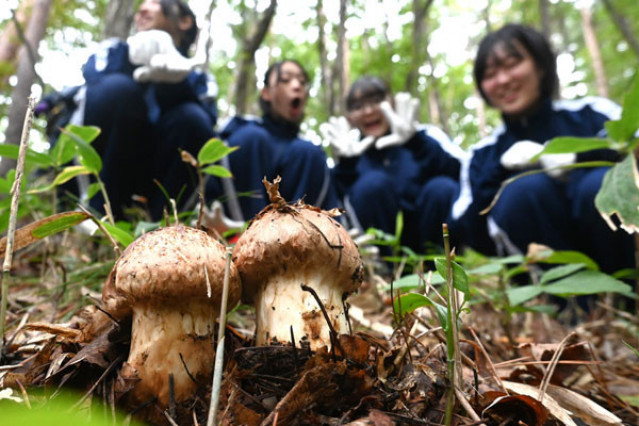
{"x": 281, "y": 304}
{"x": 163, "y": 332}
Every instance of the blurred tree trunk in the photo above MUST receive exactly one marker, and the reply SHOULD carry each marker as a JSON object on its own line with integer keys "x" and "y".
{"x": 26, "y": 75}
{"x": 544, "y": 17}
{"x": 341, "y": 66}
{"x": 118, "y": 19}
{"x": 420, "y": 43}
{"x": 438, "y": 114}
{"x": 209, "y": 38}
{"x": 11, "y": 40}
{"x": 622, "y": 23}
{"x": 249, "y": 46}
{"x": 592, "y": 44}
{"x": 325, "y": 77}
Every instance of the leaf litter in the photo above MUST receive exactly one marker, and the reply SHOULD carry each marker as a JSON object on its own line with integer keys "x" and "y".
{"x": 385, "y": 373}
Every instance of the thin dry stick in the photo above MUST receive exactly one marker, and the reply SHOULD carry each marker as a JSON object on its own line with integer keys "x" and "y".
{"x": 490, "y": 362}
{"x": 219, "y": 351}
{"x": 469, "y": 409}
{"x": 13, "y": 217}
{"x": 100, "y": 225}
{"x": 551, "y": 368}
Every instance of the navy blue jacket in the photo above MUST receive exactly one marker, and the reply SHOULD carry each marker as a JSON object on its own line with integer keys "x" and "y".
{"x": 427, "y": 154}
{"x": 270, "y": 148}
{"x": 482, "y": 176}
{"x": 113, "y": 57}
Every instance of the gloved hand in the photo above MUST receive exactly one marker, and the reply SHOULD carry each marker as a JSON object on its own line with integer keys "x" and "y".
{"x": 159, "y": 59}
{"x": 344, "y": 141}
{"x": 214, "y": 218}
{"x": 520, "y": 154}
{"x": 552, "y": 163}
{"x": 403, "y": 120}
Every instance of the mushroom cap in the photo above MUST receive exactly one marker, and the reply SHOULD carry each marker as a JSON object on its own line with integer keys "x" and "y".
{"x": 300, "y": 240}
{"x": 170, "y": 265}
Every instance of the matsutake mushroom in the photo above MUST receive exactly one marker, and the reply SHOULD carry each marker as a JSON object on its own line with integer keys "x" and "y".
{"x": 171, "y": 280}
{"x": 285, "y": 247}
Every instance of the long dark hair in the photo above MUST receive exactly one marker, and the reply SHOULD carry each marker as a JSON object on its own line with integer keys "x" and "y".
{"x": 533, "y": 41}
{"x": 174, "y": 10}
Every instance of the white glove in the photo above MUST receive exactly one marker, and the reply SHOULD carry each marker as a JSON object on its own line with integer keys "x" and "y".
{"x": 343, "y": 139}
{"x": 216, "y": 219}
{"x": 520, "y": 154}
{"x": 552, "y": 163}
{"x": 159, "y": 59}
{"x": 403, "y": 120}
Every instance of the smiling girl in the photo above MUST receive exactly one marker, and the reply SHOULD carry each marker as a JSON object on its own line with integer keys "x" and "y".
{"x": 515, "y": 72}
{"x": 393, "y": 164}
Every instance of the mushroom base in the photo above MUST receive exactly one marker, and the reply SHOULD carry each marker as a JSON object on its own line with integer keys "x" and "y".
{"x": 283, "y": 304}
{"x": 160, "y": 335}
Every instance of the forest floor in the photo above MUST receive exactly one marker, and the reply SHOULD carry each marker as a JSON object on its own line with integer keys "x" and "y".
{"x": 518, "y": 368}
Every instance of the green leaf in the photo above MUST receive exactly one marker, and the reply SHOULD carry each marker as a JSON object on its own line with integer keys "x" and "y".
{"x": 214, "y": 150}
{"x": 61, "y": 222}
{"x": 65, "y": 175}
{"x": 63, "y": 151}
{"x": 619, "y": 195}
{"x": 399, "y": 226}
{"x": 82, "y": 136}
{"x": 487, "y": 269}
{"x": 13, "y": 151}
{"x": 411, "y": 301}
{"x": 567, "y": 256}
{"x": 567, "y": 144}
{"x": 587, "y": 282}
{"x": 63, "y": 410}
{"x": 407, "y": 282}
{"x": 35, "y": 231}
{"x": 560, "y": 272}
{"x": 118, "y": 234}
{"x": 624, "y": 129}
{"x": 219, "y": 171}
{"x": 515, "y": 258}
{"x": 519, "y": 295}
{"x": 460, "y": 279}
{"x": 93, "y": 189}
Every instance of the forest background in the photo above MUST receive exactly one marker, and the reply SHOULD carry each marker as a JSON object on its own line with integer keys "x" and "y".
{"x": 425, "y": 47}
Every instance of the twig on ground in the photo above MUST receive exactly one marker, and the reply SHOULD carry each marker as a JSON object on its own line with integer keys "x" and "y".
{"x": 13, "y": 218}
{"x": 219, "y": 351}
{"x": 551, "y": 367}
{"x": 490, "y": 362}
{"x": 100, "y": 225}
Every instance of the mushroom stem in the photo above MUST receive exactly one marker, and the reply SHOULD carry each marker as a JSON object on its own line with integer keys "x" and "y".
{"x": 173, "y": 332}
{"x": 281, "y": 304}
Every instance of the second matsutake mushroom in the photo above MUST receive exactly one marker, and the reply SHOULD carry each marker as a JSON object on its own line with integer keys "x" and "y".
{"x": 171, "y": 281}
{"x": 285, "y": 247}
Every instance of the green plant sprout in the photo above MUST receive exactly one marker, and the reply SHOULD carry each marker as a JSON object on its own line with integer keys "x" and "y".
{"x": 456, "y": 279}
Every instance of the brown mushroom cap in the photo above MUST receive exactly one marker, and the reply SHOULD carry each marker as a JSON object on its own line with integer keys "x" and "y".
{"x": 296, "y": 238}
{"x": 170, "y": 265}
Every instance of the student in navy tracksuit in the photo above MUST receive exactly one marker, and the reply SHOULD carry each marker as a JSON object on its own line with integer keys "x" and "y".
{"x": 390, "y": 164}
{"x": 149, "y": 104}
{"x": 270, "y": 146}
{"x": 515, "y": 71}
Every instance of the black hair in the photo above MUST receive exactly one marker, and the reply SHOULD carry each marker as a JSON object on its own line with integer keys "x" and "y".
{"x": 535, "y": 44}
{"x": 366, "y": 87}
{"x": 174, "y": 10}
{"x": 276, "y": 67}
